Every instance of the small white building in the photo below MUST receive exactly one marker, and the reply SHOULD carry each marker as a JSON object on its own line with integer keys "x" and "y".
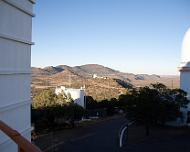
{"x": 95, "y": 76}
{"x": 78, "y": 95}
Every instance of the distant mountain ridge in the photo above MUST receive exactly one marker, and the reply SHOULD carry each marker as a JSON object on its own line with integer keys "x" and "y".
{"x": 108, "y": 80}
{"x": 89, "y": 69}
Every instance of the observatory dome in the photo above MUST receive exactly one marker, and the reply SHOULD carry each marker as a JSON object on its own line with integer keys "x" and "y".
{"x": 185, "y": 57}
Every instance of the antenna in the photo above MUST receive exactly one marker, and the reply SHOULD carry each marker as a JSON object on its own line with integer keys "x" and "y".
{"x": 69, "y": 80}
{"x": 172, "y": 84}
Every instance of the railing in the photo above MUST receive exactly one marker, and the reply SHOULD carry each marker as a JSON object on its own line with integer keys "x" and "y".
{"x": 23, "y": 144}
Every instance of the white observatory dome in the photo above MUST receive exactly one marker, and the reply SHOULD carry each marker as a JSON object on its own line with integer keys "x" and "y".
{"x": 185, "y": 58}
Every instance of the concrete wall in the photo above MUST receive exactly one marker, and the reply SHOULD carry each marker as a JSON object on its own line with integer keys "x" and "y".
{"x": 184, "y": 69}
{"x": 185, "y": 85}
{"x": 78, "y": 95}
{"x": 185, "y": 81}
{"x": 15, "y": 58}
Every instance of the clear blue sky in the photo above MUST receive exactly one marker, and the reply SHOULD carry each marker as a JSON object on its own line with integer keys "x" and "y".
{"x": 138, "y": 36}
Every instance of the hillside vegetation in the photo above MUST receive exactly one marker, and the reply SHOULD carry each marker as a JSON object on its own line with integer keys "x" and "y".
{"x": 108, "y": 84}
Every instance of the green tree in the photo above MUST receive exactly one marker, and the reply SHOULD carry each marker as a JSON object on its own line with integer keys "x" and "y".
{"x": 50, "y": 110}
{"x": 73, "y": 112}
{"x": 69, "y": 98}
{"x": 45, "y": 98}
{"x": 180, "y": 97}
{"x": 155, "y": 105}
{"x": 63, "y": 98}
{"x": 90, "y": 103}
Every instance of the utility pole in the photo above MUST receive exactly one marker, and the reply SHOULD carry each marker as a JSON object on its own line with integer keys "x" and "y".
{"x": 172, "y": 84}
{"x": 69, "y": 80}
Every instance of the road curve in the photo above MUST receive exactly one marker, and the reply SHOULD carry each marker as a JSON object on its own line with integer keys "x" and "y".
{"x": 99, "y": 137}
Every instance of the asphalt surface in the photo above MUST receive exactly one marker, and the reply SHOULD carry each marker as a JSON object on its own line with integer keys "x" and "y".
{"x": 102, "y": 137}
{"x": 99, "y": 137}
{"x": 178, "y": 145}
{"x": 161, "y": 139}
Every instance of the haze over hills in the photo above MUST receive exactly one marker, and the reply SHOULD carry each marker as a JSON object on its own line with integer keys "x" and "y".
{"x": 100, "y": 82}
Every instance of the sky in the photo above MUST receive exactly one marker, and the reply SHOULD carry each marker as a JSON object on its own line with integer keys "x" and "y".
{"x": 136, "y": 36}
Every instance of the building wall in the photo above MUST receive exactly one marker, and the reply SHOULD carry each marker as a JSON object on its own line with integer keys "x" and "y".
{"x": 185, "y": 81}
{"x": 78, "y": 95}
{"x": 184, "y": 85}
{"x": 185, "y": 71}
{"x": 15, "y": 58}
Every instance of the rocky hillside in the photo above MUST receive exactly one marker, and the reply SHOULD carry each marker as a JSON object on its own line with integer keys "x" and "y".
{"x": 100, "y": 82}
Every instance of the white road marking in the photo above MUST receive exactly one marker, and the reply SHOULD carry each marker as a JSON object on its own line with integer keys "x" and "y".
{"x": 82, "y": 137}
{"x": 72, "y": 140}
{"x": 54, "y": 146}
{"x": 122, "y": 133}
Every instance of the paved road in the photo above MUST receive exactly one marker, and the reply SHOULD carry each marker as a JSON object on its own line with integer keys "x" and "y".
{"x": 178, "y": 145}
{"x": 160, "y": 140}
{"x": 103, "y": 137}
{"x": 99, "y": 137}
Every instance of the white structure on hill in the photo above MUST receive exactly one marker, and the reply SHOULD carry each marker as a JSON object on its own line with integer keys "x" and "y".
{"x": 185, "y": 71}
{"x": 15, "y": 56}
{"x": 78, "y": 95}
{"x": 95, "y": 76}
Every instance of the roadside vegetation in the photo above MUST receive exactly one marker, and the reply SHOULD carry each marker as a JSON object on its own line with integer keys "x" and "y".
{"x": 51, "y": 111}
{"x": 155, "y": 105}
{"x": 151, "y": 105}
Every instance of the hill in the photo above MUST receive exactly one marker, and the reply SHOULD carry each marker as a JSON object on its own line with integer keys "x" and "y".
{"x": 106, "y": 84}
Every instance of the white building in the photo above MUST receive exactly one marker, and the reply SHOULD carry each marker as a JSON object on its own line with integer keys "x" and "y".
{"x": 78, "y": 95}
{"x": 15, "y": 57}
{"x": 95, "y": 76}
{"x": 185, "y": 70}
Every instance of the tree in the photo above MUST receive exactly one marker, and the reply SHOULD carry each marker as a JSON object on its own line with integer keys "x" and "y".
{"x": 73, "y": 112}
{"x": 45, "y": 98}
{"x": 50, "y": 110}
{"x": 180, "y": 97}
{"x": 63, "y": 98}
{"x": 154, "y": 105}
{"x": 90, "y": 103}
{"x": 126, "y": 98}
